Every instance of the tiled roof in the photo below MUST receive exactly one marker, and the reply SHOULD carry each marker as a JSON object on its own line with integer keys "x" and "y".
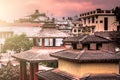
{"x": 107, "y": 34}
{"x": 86, "y": 39}
{"x": 87, "y": 56}
{"x": 50, "y": 33}
{"x": 56, "y": 74}
{"x": 101, "y": 77}
{"x": 94, "y": 39}
{"x": 36, "y": 55}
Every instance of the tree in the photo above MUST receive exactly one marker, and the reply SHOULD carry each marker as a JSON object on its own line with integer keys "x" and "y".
{"x": 17, "y": 43}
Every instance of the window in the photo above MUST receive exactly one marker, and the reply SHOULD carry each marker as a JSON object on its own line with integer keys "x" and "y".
{"x": 58, "y": 42}
{"x": 48, "y": 42}
{"x": 75, "y": 30}
{"x": 105, "y": 23}
{"x": 79, "y": 30}
{"x": 88, "y": 20}
{"x": 84, "y": 21}
{"x": 93, "y": 19}
{"x": 101, "y": 21}
{"x": 98, "y": 46}
{"x": 74, "y": 24}
{"x": 40, "y": 42}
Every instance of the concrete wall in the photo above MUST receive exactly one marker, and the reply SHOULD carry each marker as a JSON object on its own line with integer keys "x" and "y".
{"x": 81, "y": 69}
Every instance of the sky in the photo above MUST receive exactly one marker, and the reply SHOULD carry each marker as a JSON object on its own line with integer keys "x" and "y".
{"x": 14, "y": 9}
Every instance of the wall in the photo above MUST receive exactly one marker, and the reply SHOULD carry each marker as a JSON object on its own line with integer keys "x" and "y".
{"x": 100, "y": 26}
{"x": 85, "y": 68}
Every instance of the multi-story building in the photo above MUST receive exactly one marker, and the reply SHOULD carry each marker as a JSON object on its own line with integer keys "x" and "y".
{"x": 102, "y": 20}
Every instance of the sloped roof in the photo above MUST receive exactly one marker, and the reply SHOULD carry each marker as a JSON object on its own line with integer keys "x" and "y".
{"x": 49, "y": 31}
{"x": 107, "y": 34}
{"x": 36, "y": 55}
{"x": 87, "y": 56}
{"x": 86, "y": 39}
{"x": 104, "y": 76}
{"x": 56, "y": 74}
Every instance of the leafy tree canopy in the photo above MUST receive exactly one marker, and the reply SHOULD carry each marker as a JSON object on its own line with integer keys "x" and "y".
{"x": 17, "y": 43}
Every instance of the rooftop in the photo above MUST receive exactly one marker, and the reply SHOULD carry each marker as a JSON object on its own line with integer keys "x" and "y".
{"x": 87, "y": 56}
{"x": 56, "y": 74}
{"x": 86, "y": 39}
{"x": 49, "y": 31}
{"x": 36, "y": 55}
{"x": 101, "y": 77}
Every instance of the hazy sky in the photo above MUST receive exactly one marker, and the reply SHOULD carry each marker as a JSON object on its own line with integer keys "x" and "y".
{"x": 14, "y": 9}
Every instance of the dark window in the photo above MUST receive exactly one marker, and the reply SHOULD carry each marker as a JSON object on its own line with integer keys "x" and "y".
{"x": 101, "y": 21}
{"x": 74, "y": 24}
{"x": 105, "y": 23}
{"x": 96, "y": 17}
{"x": 98, "y": 46}
{"x": 88, "y": 20}
{"x": 93, "y": 19}
{"x": 84, "y": 21}
{"x": 79, "y": 30}
{"x": 74, "y": 30}
{"x": 74, "y": 46}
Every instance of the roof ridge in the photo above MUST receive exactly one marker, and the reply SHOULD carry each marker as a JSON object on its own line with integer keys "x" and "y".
{"x": 79, "y": 55}
{"x": 83, "y": 38}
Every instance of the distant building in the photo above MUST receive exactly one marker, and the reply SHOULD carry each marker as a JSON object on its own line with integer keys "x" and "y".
{"x": 64, "y": 25}
{"x": 36, "y": 19}
{"x": 3, "y": 35}
{"x": 102, "y": 20}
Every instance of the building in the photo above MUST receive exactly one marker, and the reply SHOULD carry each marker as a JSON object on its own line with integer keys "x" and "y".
{"x": 102, "y": 20}
{"x": 64, "y": 25}
{"x": 36, "y": 19}
{"x": 85, "y": 60}
{"x": 47, "y": 40}
{"x": 3, "y": 35}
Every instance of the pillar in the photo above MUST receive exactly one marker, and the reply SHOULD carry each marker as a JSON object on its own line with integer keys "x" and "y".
{"x": 33, "y": 70}
{"x": 23, "y": 71}
{"x": 42, "y": 42}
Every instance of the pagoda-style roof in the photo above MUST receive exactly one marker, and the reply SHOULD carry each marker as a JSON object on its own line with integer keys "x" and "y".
{"x": 36, "y": 55}
{"x": 37, "y": 13}
{"x": 87, "y": 39}
{"x": 87, "y": 56}
{"x": 49, "y": 31}
{"x": 56, "y": 74}
{"x": 104, "y": 76}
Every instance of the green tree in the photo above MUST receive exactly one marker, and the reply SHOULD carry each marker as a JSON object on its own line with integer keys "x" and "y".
{"x": 17, "y": 43}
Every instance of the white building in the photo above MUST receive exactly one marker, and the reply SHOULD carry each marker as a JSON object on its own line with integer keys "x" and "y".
{"x": 102, "y": 20}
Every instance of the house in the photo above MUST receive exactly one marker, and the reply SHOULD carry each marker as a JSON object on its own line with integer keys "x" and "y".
{"x": 85, "y": 60}
{"x": 102, "y": 20}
